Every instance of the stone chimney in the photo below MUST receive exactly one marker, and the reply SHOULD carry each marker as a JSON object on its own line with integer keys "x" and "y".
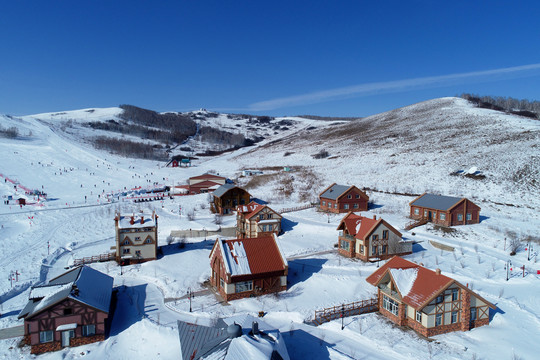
{"x": 132, "y": 221}
{"x": 438, "y": 271}
{"x": 142, "y": 219}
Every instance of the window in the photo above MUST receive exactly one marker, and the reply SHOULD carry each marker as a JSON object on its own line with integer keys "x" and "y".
{"x": 390, "y": 305}
{"x": 126, "y": 242}
{"x": 261, "y": 217}
{"x": 268, "y": 216}
{"x": 355, "y": 206}
{"x": 68, "y": 311}
{"x": 469, "y": 216}
{"x": 374, "y": 237}
{"x": 425, "y": 213}
{"x": 357, "y": 196}
{"x": 473, "y": 314}
{"x": 137, "y": 252}
{"x": 455, "y": 294}
{"x": 126, "y": 251}
{"x": 416, "y": 211}
{"x": 419, "y": 316}
{"x": 361, "y": 249}
{"x": 346, "y": 206}
{"x": 385, "y": 234}
{"x": 89, "y": 330}
{"x": 335, "y": 206}
{"x": 349, "y": 196}
{"x": 442, "y": 216}
{"x": 345, "y": 245}
{"x": 438, "y": 319}
{"x": 137, "y": 238}
{"x": 439, "y": 299}
{"x": 460, "y": 217}
{"x": 374, "y": 250}
{"x": 454, "y": 317}
{"x": 324, "y": 203}
{"x": 148, "y": 240}
{"x": 329, "y": 204}
{"x": 222, "y": 283}
{"x": 45, "y": 336}
{"x": 243, "y": 286}
{"x": 384, "y": 249}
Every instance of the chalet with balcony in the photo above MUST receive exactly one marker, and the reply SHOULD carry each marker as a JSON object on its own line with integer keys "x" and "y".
{"x": 248, "y": 267}
{"x": 370, "y": 239}
{"x": 256, "y": 220}
{"x": 136, "y": 237}
{"x": 425, "y": 300}
{"x": 444, "y": 210}
{"x": 205, "y": 183}
{"x": 342, "y": 199}
{"x": 70, "y": 310}
{"x": 227, "y": 197}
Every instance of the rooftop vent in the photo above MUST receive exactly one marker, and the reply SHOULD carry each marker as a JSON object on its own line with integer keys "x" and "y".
{"x": 255, "y": 328}
{"x": 234, "y": 331}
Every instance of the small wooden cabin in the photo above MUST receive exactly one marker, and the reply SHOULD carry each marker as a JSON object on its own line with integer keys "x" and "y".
{"x": 70, "y": 310}
{"x": 444, "y": 210}
{"x": 248, "y": 267}
{"x": 342, "y": 199}
{"x": 256, "y": 220}
{"x": 370, "y": 239}
{"x": 227, "y": 197}
{"x": 425, "y": 300}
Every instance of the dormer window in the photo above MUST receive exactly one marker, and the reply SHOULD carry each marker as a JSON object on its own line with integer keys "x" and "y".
{"x": 126, "y": 242}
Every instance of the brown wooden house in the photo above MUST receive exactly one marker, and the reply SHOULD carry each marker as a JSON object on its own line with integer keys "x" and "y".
{"x": 444, "y": 210}
{"x": 370, "y": 239}
{"x": 342, "y": 199}
{"x": 136, "y": 237}
{"x": 227, "y": 197}
{"x": 425, "y": 300}
{"x": 205, "y": 183}
{"x": 248, "y": 267}
{"x": 71, "y": 310}
{"x": 256, "y": 220}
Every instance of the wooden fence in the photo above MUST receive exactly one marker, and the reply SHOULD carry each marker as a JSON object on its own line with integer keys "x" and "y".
{"x": 337, "y": 312}
{"x": 93, "y": 259}
{"x": 415, "y": 223}
{"x": 298, "y": 208}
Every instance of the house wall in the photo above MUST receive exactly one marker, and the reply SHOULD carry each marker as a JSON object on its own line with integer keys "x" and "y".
{"x": 344, "y": 203}
{"x": 252, "y": 228}
{"x": 147, "y": 251}
{"x": 464, "y": 208}
{"x": 54, "y": 317}
{"x": 228, "y": 202}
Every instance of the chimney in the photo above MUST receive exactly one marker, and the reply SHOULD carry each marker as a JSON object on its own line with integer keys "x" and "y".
{"x": 374, "y": 217}
{"x": 142, "y": 219}
{"x": 438, "y": 271}
{"x": 132, "y": 221}
{"x": 255, "y": 328}
{"x": 421, "y": 264}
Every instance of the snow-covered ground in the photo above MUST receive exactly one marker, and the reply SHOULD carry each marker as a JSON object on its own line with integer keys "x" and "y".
{"x": 39, "y": 240}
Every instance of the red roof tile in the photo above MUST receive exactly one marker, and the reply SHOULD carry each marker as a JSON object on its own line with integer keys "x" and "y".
{"x": 262, "y": 253}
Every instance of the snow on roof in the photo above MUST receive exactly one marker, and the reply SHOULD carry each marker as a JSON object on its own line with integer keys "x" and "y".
{"x": 66, "y": 327}
{"x": 43, "y": 291}
{"x": 250, "y": 348}
{"x": 125, "y": 221}
{"x": 237, "y": 258}
{"x": 404, "y": 279}
{"x": 56, "y": 294}
{"x": 220, "y": 191}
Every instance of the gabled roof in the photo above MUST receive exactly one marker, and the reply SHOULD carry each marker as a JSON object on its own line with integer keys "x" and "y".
{"x": 204, "y": 184}
{"x": 82, "y": 284}
{"x": 252, "y": 255}
{"x": 214, "y": 342}
{"x": 362, "y": 227}
{"x": 335, "y": 191}
{"x": 426, "y": 284}
{"x": 252, "y": 209}
{"x": 437, "y": 202}
{"x": 207, "y": 176}
{"x": 220, "y": 191}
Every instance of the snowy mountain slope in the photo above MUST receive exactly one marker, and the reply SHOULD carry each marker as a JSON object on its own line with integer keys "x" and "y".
{"x": 144, "y": 326}
{"x": 415, "y": 149}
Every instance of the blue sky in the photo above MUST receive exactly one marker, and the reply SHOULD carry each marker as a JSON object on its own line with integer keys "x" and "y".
{"x": 341, "y": 58}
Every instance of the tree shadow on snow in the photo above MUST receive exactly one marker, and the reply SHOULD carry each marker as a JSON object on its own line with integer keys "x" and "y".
{"x": 302, "y": 269}
{"x": 303, "y": 345}
{"x": 128, "y": 307}
{"x": 287, "y": 225}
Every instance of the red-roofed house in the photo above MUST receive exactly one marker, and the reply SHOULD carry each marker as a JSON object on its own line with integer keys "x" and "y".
{"x": 425, "y": 300}
{"x": 248, "y": 267}
{"x": 205, "y": 183}
{"x": 343, "y": 198}
{"x": 370, "y": 239}
{"x": 256, "y": 220}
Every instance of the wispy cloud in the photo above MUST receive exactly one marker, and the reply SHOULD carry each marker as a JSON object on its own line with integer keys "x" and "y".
{"x": 389, "y": 86}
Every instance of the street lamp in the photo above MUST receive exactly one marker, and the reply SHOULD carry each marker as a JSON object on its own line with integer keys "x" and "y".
{"x": 190, "y": 296}
{"x": 342, "y": 316}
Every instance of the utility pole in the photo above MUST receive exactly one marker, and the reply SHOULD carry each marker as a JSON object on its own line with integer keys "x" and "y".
{"x": 342, "y": 316}
{"x": 190, "y": 296}
{"x": 48, "y": 248}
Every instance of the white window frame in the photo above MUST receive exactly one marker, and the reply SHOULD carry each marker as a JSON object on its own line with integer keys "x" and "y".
{"x": 442, "y": 216}
{"x": 335, "y": 206}
{"x": 349, "y": 196}
{"x": 243, "y": 286}
{"x": 390, "y": 305}
{"x": 459, "y": 217}
{"x": 345, "y": 245}
{"x": 454, "y": 317}
{"x": 473, "y": 314}
{"x": 46, "y": 336}
{"x": 355, "y": 206}
{"x": 469, "y": 216}
{"x": 455, "y": 294}
{"x": 324, "y": 203}
{"x": 419, "y": 316}
{"x": 438, "y": 319}
{"x": 416, "y": 211}
{"x": 361, "y": 249}
{"x": 357, "y": 196}
{"x": 346, "y": 206}
{"x": 425, "y": 213}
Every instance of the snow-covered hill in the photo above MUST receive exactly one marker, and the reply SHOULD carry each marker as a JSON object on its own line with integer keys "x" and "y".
{"x": 408, "y": 150}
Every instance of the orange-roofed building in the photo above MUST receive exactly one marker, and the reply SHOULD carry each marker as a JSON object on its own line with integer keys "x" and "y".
{"x": 248, "y": 267}
{"x": 370, "y": 239}
{"x": 425, "y": 300}
{"x": 256, "y": 220}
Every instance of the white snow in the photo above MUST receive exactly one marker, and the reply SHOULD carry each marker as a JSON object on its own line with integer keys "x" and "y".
{"x": 45, "y": 291}
{"x": 404, "y": 279}
{"x": 237, "y": 259}
{"x": 66, "y": 327}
